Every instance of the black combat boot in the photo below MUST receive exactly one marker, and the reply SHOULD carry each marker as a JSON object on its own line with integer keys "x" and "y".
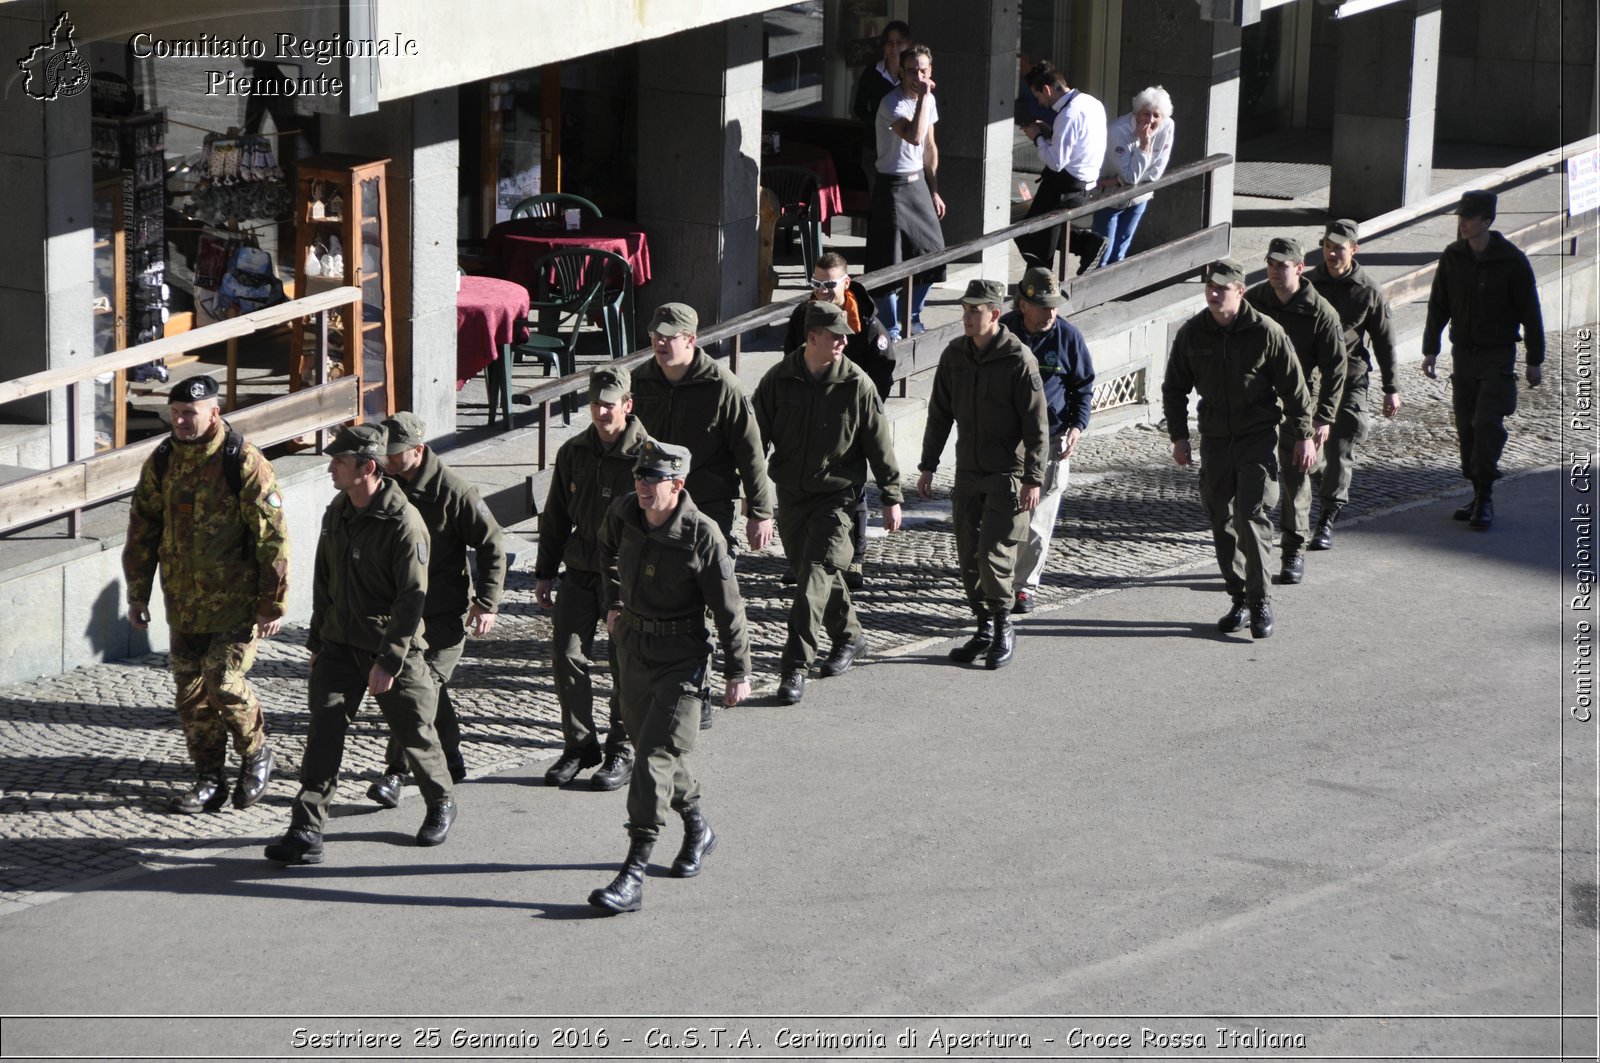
{"x": 999, "y": 652}
{"x": 253, "y": 776}
{"x": 978, "y": 644}
{"x": 209, "y": 793}
{"x": 615, "y": 772}
{"x": 698, "y": 841}
{"x": 626, "y": 892}
{"x": 791, "y": 686}
{"x": 1322, "y": 538}
{"x": 1261, "y": 619}
{"x": 1483, "y": 507}
{"x": 386, "y": 791}
{"x": 1465, "y": 512}
{"x": 299, "y": 845}
{"x": 436, "y": 824}
{"x": 1294, "y": 569}
{"x": 572, "y": 761}
{"x": 1235, "y": 618}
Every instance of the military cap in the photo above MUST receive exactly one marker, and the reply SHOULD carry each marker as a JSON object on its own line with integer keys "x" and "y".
{"x": 984, "y": 293}
{"x": 830, "y": 316}
{"x": 1477, "y": 204}
{"x": 359, "y": 440}
{"x": 194, "y": 389}
{"x": 1225, "y": 271}
{"x": 662, "y": 459}
{"x": 609, "y": 383}
{"x": 1040, "y": 287}
{"x": 406, "y": 430}
{"x": 673, "y": 318}
{"x": 1285, "y": 249}
{"x": 1342, "y": 231}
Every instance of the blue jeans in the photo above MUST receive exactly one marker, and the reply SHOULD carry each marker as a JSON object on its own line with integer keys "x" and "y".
{"x": 889, "y": 306}
{"x": 1117, "y": 224}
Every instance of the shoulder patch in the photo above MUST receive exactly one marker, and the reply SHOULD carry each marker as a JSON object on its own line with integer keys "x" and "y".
{"x": 1034, "y": 383}
{"x": 274, "y": 499}
{"x": 725, "y": 568}
{"x": 883, "y": 342}
{"x": 422, "y": 552}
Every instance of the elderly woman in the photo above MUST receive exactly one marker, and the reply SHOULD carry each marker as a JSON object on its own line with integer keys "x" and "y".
{"x": 1138, "y": 148}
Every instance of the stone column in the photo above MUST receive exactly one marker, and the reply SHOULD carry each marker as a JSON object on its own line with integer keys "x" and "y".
{"x": 1197, "y": 62}
{"x": 975, "y": 67}
{"x": 1384, "y": 87}
{"x": 699, "y": 167}
{"x": 47, "y": 286}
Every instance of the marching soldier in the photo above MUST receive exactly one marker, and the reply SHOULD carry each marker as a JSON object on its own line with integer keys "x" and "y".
{"x": 207, "y": 512}
{"x": 666, "y": 564}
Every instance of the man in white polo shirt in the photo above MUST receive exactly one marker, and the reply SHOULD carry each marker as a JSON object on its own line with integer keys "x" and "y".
{"x": 1072, "y": 148}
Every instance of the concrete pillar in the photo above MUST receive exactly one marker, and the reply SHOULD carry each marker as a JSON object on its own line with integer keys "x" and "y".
{"x": 1385, "y": 82}
{"x": 699, "y": 171}
{"x": 1197, "y": 62}
{"x": 975, "y": 67}
{"x": 47, "y": 286}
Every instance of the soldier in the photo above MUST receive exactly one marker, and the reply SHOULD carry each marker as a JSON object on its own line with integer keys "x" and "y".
{"x": 987, "y": 385}
{"x": 370, "y": 589}
{"x": 1068, "y": 375}
{"x": 593, "y": 470}
{"x": 1486, "y": 290}
{"x": 456, "y": 518}
{"x": 869, "y": 348}
{"x": 207, "y": 511}
{"x": 666, "y": 564}
{"x": 824, "y": 422}
{"x": 1242, "y": 364}
{"x": 1312, "y": 326}
{"x": 1364, "y": 314}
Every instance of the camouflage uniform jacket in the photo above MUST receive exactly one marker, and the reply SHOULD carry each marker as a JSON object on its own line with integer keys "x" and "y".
{"x": 456, "y": 518}
{"x": 707, "y": 412}
{"x": 675, "y": 572}
{"x": 995, "y": 399}
{"x": 1364, "y": 314}
{"x": 224, "y": 558}
{"x": 1313, "y": 327}
{"x": 371, "y": 577}
{"x": 589, "y": 476}
{"x": 824, "y": 432}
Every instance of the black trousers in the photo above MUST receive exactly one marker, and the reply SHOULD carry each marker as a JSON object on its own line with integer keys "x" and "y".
{"x": 1057, "y": 189}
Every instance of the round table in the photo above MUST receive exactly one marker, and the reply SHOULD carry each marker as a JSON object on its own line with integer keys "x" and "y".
{"x": 489, "y": 312}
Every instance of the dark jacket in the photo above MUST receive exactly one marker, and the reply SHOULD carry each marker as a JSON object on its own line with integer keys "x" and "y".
{"x": 589, "y": 477}
{"x": 1242, "y": 372}
{"x": 456, "y": 518}
{"x": 824, "y": 433}
{"x": 371, "y": 577}
{"x": 869, "y": 347}
{"x": 995, "y": 399}
{"x": 1364, "y": 314}
{"x": 1313, "y": 328}
{"x": 1486, "y": 298}
{"x": 1064, "y": 366}
{"x": 707, "y": 412}
{"x": 675, "y": 572}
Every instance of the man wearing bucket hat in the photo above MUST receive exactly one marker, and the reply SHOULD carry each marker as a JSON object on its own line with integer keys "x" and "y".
{"x": 1249, "y": 379}
{"x": 1485, "y": 289}
{"x": 1312, "y": 326}
{"x": 593, "y": 469}
{"x": 208, "y": 514}
{"x": 1068, "y": 375}
{"x": 987, "y": 386}
{"x": 666, "y": 566}
{"x": 1364, "y": 314}
{"x": 370, "y": 588}
{"x": 823, "y": 419}
{"x": 457, "y": 605}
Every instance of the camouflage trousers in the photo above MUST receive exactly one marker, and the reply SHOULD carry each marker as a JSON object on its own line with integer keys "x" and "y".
{"x": 214, "y": 700}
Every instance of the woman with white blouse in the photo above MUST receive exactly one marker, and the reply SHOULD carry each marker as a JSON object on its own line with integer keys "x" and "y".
{"x": 1138, "y": 148}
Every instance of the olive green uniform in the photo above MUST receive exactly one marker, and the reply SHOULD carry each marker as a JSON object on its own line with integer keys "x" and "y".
{"x": 995, "y": 400}
{"x": 1249, "y": 380}
{"x": 456, "y": 518}
{"x": 663, "y": 580}
{"x": 370, "y": 589}
{"x": 1363, "y": 316}
{"x": 1313, "y": 329}
{"x": 224, "y": 560}
{"x": 824, "y": 432}
{"x": 589, "y": 476}
{"x": 707, "y": 412}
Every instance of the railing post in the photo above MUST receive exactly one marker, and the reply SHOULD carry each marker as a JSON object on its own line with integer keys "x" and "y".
{"x": 544, "y": 433}
{"x": 733, "y": 356}
{"x": 74, "y": 518}
{"x": 905, "y": 309}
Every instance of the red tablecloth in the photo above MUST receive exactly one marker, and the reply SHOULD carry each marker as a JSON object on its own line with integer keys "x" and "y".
{"x": 522, "y": 242}
{"x": 820, "y": 162}
{"x": 488, "y": 313}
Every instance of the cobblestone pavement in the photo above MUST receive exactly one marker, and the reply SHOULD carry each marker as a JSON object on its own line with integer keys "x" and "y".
{"x": 92, "y": 757}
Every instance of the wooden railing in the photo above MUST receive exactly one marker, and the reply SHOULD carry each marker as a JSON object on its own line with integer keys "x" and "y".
{"x": 67, "y": 489}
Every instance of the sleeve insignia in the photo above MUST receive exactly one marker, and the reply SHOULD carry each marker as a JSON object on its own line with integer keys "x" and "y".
{"x": 274, "y": 499}
{"x": 422, "y": 552}
{"x": 883, "y": 342}
{"x": 725, "y": 568}
{"x": 1034, "y": 383}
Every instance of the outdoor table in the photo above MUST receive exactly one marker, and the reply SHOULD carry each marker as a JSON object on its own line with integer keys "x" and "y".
{"x": 522, "y": 242}
{"x": 489, "y": 313}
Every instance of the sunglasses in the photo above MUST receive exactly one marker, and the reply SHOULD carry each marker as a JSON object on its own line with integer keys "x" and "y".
{"x": 826, "y": 286}
{"x": 652, "y": 477}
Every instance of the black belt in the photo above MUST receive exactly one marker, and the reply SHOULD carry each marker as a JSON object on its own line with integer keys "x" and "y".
{"x": 682, "y": 625}
{"x": 900, "y": 178}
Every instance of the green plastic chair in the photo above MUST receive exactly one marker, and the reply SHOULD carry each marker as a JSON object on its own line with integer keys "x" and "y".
{"x": 551, "y": 205}
{"x": 799, "y": 207}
